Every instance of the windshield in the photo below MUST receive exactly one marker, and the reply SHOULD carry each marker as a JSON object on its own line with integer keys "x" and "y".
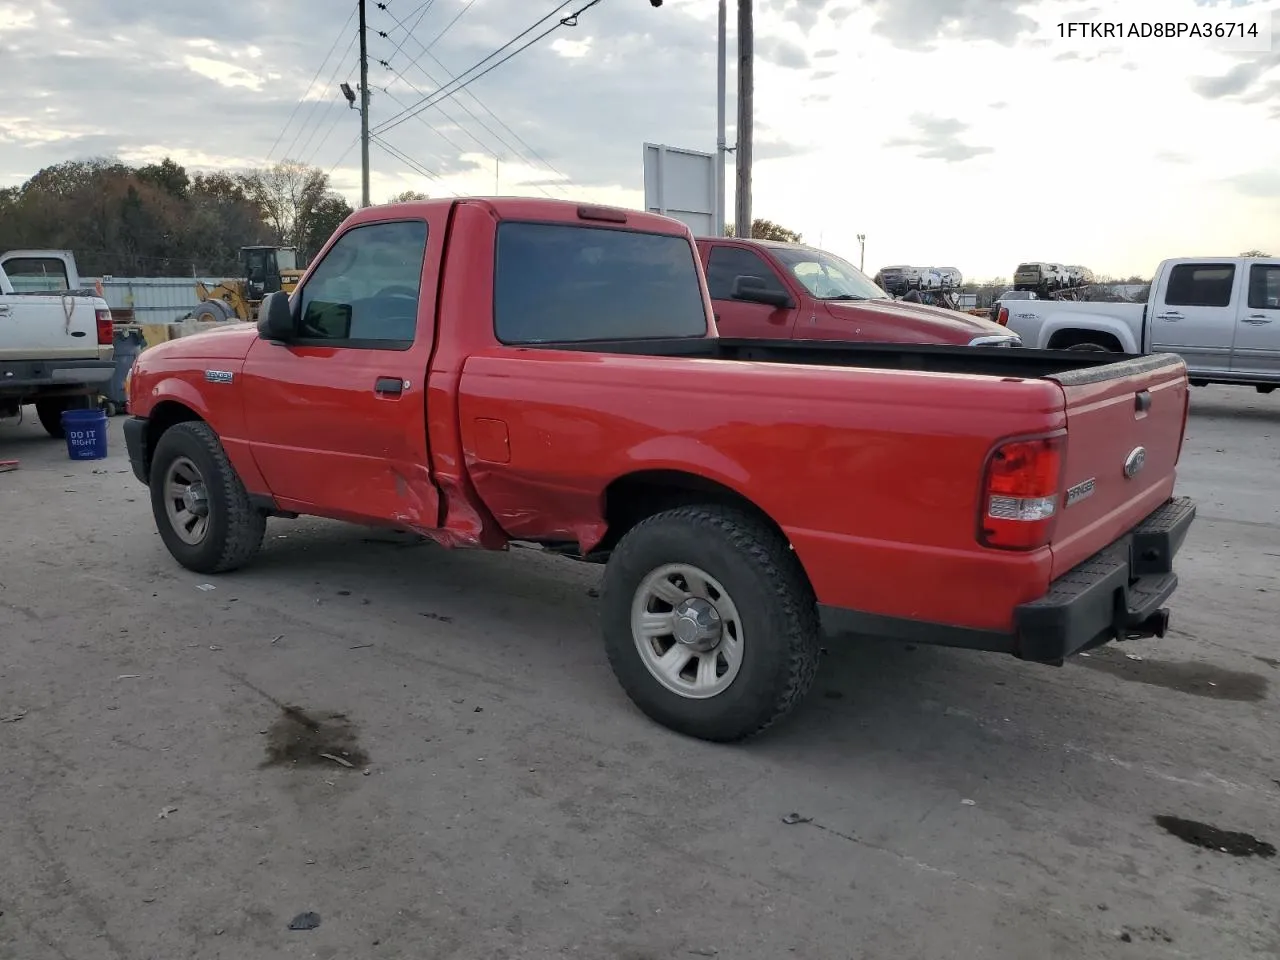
{"x": 827, "y": 277}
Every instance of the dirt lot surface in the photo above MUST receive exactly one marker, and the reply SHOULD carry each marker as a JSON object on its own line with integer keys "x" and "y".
{"x": 492, "y": 794}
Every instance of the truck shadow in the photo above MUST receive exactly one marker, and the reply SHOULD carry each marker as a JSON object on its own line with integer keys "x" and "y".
{"x": 954, "y": 719}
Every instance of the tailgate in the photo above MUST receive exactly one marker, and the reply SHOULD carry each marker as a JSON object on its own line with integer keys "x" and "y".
{"x": 48, "y": 327}
{"x": 1124, "y": 432}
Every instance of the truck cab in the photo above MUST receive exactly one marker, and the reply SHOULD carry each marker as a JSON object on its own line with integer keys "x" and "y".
{"x": 41, "y": 271}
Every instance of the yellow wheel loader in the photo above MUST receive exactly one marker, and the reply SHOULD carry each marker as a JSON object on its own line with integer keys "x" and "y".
{"x": 266, "y": 270}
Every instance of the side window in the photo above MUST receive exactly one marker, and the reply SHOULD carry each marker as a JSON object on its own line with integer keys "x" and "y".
{"x": 365, "y": 290}
{"x": 1200, "y": 285}
{"x": 37, "y": 274}
{"x": 558, "y": 283}
{"x": 726, "y": 264}
{"x": 1264, "y": 286}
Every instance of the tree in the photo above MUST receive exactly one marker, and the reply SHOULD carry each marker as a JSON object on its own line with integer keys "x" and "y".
{"x": 767, "y": 230}
{"x": 168, "y": 176}
{"x": 1256, "y": 254}
{"x": 320, "y": 223}
{"x": 408, "y": 196}
{"x": 286, "y": 195}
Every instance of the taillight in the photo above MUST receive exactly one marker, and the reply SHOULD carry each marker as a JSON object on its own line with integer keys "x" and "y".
{"x": 1002, "y": 317}
{"x": 106, "y": 329}
{"x": 1020, "y": 493}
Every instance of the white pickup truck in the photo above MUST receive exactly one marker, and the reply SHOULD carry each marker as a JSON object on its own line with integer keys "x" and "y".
{"x": 1220, "y": 314}
{"x": 55, "y": 341}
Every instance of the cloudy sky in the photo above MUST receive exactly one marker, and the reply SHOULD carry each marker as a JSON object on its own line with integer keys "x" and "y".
{"x": 956, "y": 132}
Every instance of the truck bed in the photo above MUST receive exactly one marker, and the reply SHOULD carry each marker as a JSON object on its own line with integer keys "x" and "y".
{"x": 1064, "y": 366}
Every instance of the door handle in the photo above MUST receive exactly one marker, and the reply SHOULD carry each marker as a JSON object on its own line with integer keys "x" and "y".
{"x": 1168, "y": 316}
{"x": 389, "y": 386}
{"x": 4, "y": 311}
{"x": 1256, "y": 318}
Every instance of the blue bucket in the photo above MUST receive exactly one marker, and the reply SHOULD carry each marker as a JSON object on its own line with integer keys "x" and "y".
{"x": 86, "y": 432}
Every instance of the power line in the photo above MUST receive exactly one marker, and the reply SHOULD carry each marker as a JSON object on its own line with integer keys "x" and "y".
{"x": 414, "y": 165}
{"x": 569, "y": 21}
{"x": 461, "y": 103}
{"x": 449, "y": 26}
{"x": 483, "y": 146}
{"x": 434, "y": 129}
{"x": 441, "y": 94}
{"x": 316, "y": 105}
{"x": 323, "y": 63}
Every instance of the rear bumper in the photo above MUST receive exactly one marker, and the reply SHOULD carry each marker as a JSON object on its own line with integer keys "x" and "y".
{"x": 1119, "y": 593}
{"x": 28, "y": 377}
{"x": 135, "y": 441}
{"x": 1116, "y": 594}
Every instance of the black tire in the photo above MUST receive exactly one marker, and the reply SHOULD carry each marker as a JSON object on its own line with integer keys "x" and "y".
{"x": 776, "y": 604}
{"x": 49, "y": 413}
{"x": 235, "y": 529}
{"x": 1090, "y": 347}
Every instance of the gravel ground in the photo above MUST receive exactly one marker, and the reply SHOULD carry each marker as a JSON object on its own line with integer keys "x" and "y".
{"x": 504, "y": 799}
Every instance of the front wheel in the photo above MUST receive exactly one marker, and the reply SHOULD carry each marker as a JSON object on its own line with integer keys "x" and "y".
{"x": 709, "y": 622}
{"x": 201, "y": 508}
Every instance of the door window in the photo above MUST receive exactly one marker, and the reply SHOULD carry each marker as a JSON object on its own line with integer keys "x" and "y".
{"x": 726, "y": 264}
{"x": 1264, "y": 286}
{"x": 1200, "y": 285}
{"x": 364, "y": 293}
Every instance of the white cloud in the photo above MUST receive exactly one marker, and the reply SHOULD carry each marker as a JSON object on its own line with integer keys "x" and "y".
{"x": 1011, "y": 141}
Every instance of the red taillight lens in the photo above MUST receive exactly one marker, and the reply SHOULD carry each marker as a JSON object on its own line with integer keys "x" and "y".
{"x": 106, "y": 329}
{"x": 1002, "y": 317}
{"x": 1020, "y": 494}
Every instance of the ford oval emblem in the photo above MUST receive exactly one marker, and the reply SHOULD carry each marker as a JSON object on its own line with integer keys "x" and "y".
{"x": 1134, "y": 463}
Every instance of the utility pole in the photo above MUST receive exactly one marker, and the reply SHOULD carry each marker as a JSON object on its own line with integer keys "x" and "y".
{"x": 746, "y": 90}
{"x": 364, "y": 109}
{"x": 721, "y": 144}
{"x": 862, "y": 252}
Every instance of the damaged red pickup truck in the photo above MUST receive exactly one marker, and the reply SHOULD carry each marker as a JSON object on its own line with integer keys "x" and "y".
{"x": 482, "y": 371}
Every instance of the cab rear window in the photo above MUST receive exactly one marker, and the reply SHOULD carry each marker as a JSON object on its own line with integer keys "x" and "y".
{"x": 562, "y": 283}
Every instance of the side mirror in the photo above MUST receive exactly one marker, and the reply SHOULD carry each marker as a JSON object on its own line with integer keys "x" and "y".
{"x": 755, "y": 290}
{"x": 275, "y": 318}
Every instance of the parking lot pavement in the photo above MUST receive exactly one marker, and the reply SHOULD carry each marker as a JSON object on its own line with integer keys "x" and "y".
{"x": 504, "y": 799}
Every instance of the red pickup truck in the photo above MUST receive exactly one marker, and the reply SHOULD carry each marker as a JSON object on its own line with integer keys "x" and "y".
{"x": 483, "y": 371}
{"x": 784, "y": 291}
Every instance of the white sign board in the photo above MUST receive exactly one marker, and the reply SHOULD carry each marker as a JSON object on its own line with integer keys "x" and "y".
{"x": 681, "y": 184}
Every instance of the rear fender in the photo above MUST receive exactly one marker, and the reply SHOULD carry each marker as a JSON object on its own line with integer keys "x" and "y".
{"x": 1090, "y": 322}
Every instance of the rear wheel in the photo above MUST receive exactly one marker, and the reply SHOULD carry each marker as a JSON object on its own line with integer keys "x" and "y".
{"x": 1089, "y": 347}
{"x": 50, "y": 414}
{"x": 709, "y": 622}
{"x": 201, "y": 508}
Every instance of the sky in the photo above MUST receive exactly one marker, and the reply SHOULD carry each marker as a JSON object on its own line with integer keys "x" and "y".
{"x": 965, "y": 133}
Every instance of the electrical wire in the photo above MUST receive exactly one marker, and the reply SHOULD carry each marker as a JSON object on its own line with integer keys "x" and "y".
{"x": 441, "y": 93}
{"x": 323, "y": 63}
{"x": 471, "y": 113}
{"x": 449, "y": 26}
{"x": 434, "y": 129}
{"x": 414, "y": 165}
{"x": 316, "y": 105}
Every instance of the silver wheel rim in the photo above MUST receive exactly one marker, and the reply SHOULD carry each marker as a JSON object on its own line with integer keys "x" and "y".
{"x": 186, "y": 501}
{"x": 688, "y": 631}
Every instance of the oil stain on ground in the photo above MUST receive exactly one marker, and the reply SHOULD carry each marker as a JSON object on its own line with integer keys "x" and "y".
{"x": 1199, "y": 679}
{"x": 1213, "y": 838}
{"x": 300, "y": 738}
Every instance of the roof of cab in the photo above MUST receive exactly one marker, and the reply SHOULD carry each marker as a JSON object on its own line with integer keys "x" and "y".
{"x": 531, "y": 208}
